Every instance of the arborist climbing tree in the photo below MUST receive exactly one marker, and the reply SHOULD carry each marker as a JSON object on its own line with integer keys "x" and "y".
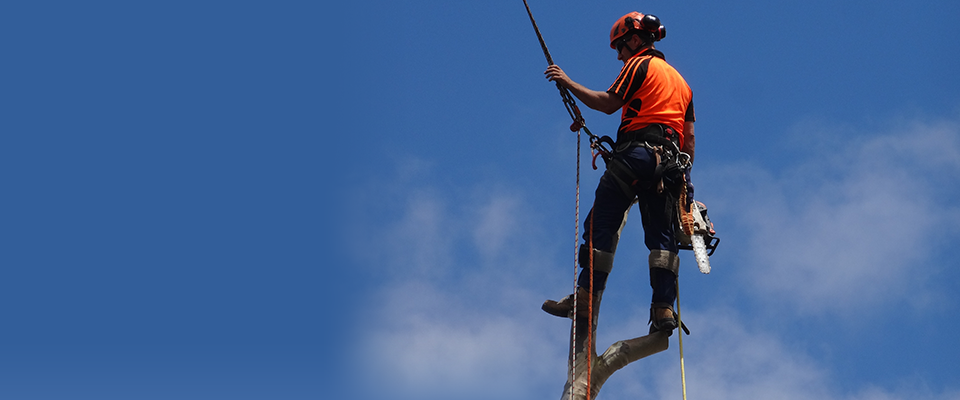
{"x": 656, "y": 128}
{"x": 649, "y": 164}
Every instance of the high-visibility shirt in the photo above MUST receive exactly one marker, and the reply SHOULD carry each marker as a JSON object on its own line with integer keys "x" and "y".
{"x": 653, "y": 93}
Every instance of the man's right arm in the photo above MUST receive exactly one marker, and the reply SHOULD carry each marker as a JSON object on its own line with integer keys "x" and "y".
{"x": 604, "y": 102}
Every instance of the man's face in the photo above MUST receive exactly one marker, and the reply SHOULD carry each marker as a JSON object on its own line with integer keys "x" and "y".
{"x": 623, "y": 48}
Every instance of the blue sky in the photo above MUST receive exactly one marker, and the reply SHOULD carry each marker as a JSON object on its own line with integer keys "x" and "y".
{"x": 370, "y": 200}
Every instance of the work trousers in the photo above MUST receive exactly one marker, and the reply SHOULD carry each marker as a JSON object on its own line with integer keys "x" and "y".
{"x": 611, "y": 205}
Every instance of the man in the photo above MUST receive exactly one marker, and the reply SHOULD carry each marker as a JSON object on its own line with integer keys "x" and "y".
{"x": 656, "y": 120}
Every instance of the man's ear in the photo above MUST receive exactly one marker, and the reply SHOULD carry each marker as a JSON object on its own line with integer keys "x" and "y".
{"x": 636, "y": 42}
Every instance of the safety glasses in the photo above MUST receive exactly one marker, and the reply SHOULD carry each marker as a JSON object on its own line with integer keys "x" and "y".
{"x": 621, "y": 43}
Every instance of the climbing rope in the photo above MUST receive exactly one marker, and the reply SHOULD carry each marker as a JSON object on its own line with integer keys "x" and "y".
{"x": 683, "y": 372}
{"x": 589, "y": 341}
{"x": 597, "y": 146}
{"x": 576, "y": 262}
{"x": 588, "y": 344}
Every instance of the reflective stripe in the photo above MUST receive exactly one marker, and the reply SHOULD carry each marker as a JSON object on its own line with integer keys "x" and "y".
{"x": 665, "y": 259}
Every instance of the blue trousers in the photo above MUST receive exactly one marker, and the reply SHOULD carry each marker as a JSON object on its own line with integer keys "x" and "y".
{"x": 610, "y": 207}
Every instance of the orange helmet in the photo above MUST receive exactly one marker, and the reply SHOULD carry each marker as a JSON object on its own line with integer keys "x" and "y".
{"x": 635, "y": 21}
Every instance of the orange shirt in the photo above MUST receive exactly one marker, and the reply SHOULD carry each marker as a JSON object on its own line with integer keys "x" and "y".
{"x": 653, "y": 93}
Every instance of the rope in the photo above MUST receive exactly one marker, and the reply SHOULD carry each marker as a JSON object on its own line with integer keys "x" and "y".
{"x": 683, "y": 373}
{"x": 589, "y": 344}
{"x": 576, "y": 262}
{"x": 576, "y": 297}
{"x": 686, "y": 218}
{"x": 686, "y": 223}
{"x": 596, "y": 144}
{"x": 578, "y": 124}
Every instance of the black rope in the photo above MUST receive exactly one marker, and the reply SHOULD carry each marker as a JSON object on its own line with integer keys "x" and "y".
{"x": 596, "y": 142}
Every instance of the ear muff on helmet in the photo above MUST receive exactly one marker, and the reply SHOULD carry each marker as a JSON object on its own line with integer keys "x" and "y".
{"x": 648, "y": 26}
{"x": 650, "y": 23}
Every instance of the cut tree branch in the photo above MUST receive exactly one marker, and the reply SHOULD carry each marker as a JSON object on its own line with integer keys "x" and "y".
{"x": 617, "y": 356}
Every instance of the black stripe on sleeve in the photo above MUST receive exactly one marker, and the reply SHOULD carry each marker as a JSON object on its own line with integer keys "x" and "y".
{"x": 690, "y": 115}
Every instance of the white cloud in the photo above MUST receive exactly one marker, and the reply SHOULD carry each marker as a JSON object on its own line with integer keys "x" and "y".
{"x": 852, "y": 226}
{"x": 433, "y": 232}
{"x": 462, "y": 320}
{"x": 432, "y": 343}
{"x": 497, "y": 221}
{"x": 422, "y": 238}
{"x": 726, "y": 360}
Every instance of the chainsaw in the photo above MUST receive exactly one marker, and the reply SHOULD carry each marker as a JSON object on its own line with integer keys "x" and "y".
{"x": 702, "y": 240}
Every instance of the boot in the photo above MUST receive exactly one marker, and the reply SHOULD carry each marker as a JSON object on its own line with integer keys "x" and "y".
{"x": 564, "y": 307}
{"x": 662, "y": 318}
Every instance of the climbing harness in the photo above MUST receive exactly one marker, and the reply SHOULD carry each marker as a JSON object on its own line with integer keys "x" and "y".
{"x": 672, "y": 163}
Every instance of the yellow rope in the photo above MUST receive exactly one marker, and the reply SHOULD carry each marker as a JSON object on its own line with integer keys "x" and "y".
{"x": 683, "y": 373}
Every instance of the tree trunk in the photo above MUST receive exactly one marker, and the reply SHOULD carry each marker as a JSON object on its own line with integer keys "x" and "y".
{"x": 617, "y": 356}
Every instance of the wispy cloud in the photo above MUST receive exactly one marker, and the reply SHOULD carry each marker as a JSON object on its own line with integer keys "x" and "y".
{"x": 725, "y": 359}
{"x": 851, "y": 226}
{"x": 462, "y": 319}
{"x": 421, "y": 241}
{"x": 434, "y": 343}
{"x": 837, "y": 232}
{"x": 498, "y": 220}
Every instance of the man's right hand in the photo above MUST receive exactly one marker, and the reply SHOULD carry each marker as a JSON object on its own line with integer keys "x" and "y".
{"x": 555, "y": 74}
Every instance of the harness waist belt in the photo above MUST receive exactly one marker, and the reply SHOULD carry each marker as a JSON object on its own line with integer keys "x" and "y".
{"x": 653, "y": 133}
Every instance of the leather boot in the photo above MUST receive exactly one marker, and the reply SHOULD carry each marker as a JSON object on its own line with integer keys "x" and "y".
{"x": 662, "y": 318}
{"x": 564, "y": 307}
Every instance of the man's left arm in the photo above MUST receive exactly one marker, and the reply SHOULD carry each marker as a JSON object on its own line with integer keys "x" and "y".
{"x": 689, "y": 140}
